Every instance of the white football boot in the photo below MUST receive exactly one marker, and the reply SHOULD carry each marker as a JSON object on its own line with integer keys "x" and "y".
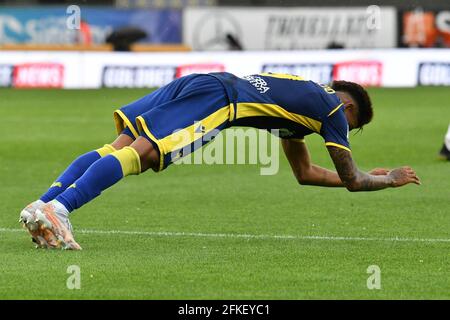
{"x": 51, "y": 227}
{"x": 53, "y": 221}
{"x": 28, "y": 216}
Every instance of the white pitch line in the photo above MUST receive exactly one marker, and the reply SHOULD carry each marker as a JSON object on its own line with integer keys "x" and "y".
{"x": 243, "y": 236}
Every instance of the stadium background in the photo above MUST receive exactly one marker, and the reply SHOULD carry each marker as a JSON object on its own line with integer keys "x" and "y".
{"x": 224, "y": 231}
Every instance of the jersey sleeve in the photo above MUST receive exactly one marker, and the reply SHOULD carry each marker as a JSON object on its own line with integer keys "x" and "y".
{"x": 335, "y": 131}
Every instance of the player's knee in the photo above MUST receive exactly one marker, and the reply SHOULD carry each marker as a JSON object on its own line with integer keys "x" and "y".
{"x": 148, "y": 155}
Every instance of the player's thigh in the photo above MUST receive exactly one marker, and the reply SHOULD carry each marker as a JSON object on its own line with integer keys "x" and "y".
{"x": 121, "y": 141}
{"x": 179, "y": 126}
{"x": 125, "y": 117}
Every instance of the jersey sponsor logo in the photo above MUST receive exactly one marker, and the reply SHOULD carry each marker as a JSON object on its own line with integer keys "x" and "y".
{"x": 317, "y": 72}
{"x": 137, "y": 76}
{"x": 38, "y": 75}
{"x": 259, "y": 83}
{"x": 366, "y": 73}
{"x": 434, "y": 74}
{"x": 188, "y": 69}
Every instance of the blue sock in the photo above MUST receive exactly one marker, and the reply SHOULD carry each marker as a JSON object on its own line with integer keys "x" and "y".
{"x": 74, "y": 171}
{"x": 101, "y": 175}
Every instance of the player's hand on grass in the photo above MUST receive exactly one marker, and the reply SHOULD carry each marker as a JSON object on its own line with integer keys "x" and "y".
{"x": 401, "y": 176}
{"x": 379, "y": 172}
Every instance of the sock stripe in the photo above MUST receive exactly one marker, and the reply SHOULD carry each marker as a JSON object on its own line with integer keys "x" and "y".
{"x": 105, "y": 150}
{"x": 137, "y": 159}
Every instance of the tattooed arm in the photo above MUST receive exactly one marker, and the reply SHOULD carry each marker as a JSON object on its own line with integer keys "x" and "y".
{"x": 304, "y": 171}
{"x": 355, "y": 180}
{"x": 347, "y": 173}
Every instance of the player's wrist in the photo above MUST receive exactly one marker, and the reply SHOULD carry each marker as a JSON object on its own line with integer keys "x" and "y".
{"x": 390, "y": 181}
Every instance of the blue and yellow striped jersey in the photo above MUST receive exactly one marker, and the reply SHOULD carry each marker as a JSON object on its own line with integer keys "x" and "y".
{"x": 295, "y": 106}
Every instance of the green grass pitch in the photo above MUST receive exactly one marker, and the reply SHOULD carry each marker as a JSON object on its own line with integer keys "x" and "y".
{"x": 44, "y": 130}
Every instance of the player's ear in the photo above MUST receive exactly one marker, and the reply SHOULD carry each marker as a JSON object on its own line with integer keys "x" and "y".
{"x": 351, "y": 112}
{"x": 349, "y": 106}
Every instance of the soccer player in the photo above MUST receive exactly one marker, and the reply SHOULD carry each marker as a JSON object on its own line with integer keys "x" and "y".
{"x": 445, "y": 150}
{"x": 199, "y": 104}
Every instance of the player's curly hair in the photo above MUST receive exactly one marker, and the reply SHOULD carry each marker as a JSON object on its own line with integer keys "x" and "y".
{"x": 365, "y": 111}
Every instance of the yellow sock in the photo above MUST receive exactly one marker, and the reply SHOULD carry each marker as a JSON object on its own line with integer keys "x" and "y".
{"x": 129, "y": 160}
{"x": 105, "y": 150}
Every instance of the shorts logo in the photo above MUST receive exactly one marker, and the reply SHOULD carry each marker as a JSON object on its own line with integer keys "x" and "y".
{"x": 200, "y": 129}
{"x": 258, "y": 83}
{"x": 178, "y": 155}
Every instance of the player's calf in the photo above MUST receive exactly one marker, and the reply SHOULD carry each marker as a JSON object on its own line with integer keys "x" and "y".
{"x": 79, "y": 166}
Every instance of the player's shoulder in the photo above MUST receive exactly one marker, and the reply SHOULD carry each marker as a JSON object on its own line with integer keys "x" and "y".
{"x": 325, "y": 98}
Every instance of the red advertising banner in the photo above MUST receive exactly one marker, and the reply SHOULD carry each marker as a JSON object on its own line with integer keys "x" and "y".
{"x": 187, "y": 69}
{"x": 366, "y": 73}
{"x": 38, "y": 75}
